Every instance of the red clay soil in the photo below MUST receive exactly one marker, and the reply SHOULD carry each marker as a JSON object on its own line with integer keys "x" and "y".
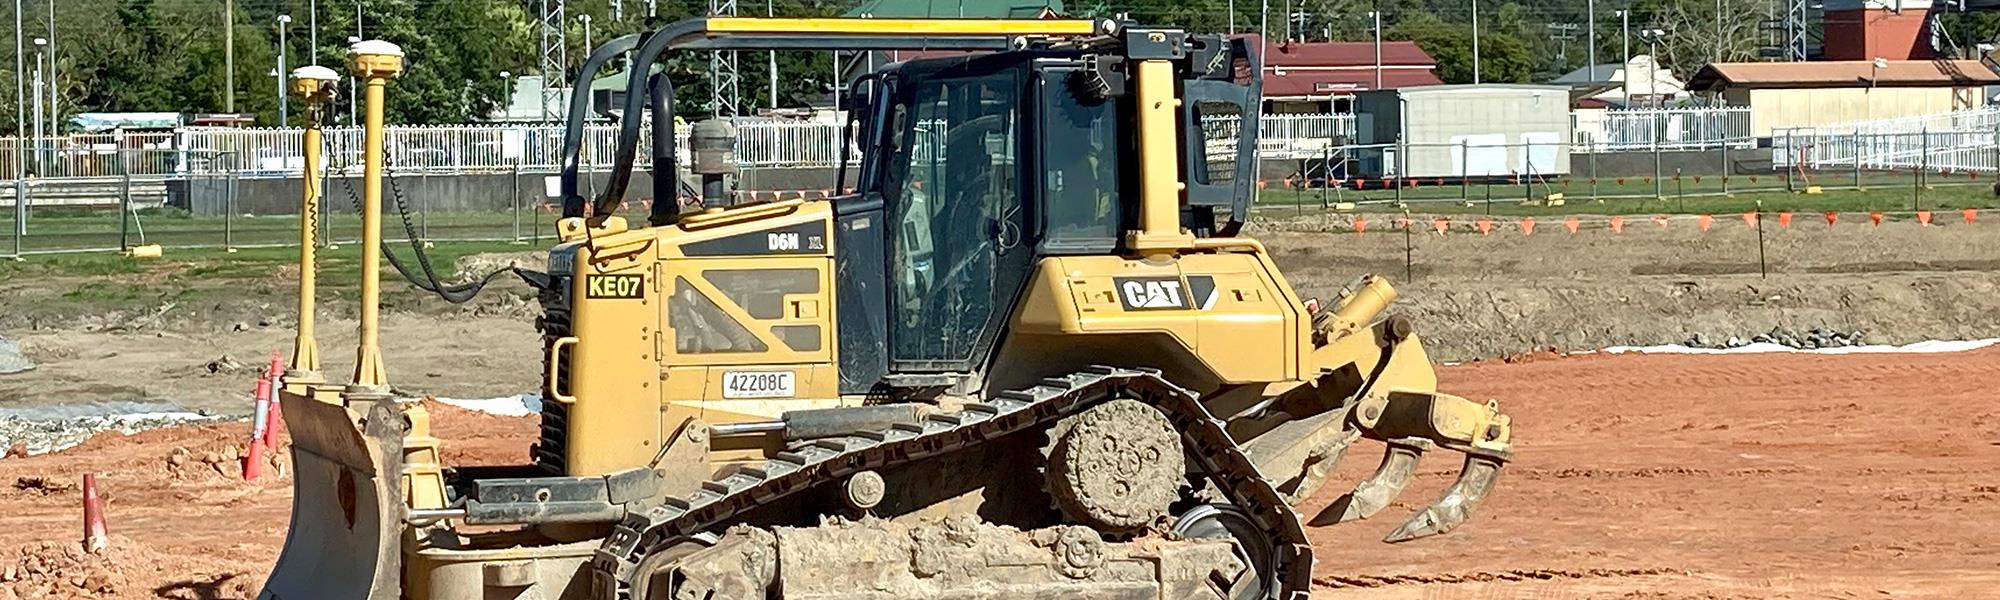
{"x": 1638, "y": 477}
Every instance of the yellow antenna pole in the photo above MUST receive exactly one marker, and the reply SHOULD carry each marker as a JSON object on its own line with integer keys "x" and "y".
{"x": 375, "y": 62}
{"x": 315, "y": 84}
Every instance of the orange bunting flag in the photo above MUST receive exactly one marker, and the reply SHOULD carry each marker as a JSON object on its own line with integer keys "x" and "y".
{"x": 1661, "y": 219}
{"x": 1617, "y": 224}
{"x": 1485, "y": 226}
{"x": 1621, "y": 181}
{"x": 1703, "y": 222}
{"x": 1572, "y": 223}
{"x": 1875, "y": 217}
{"x": 1402, "y": 222}
{"x": 1785, "y": 218}
{"x": 1439, "y": 182}
{"x": 1360, "y": 225}
{"x": 1528, "y": 226}
{"x": 1440, "y": 224}
{"x": 1971, "y": 215}
{"x": 1831, "y": 217}
{"x": 1697, "y": 179}
{"x": 1924, "y": 216}
{"x": 1753, "y": 179}
{"x": 1750, "y": 218}
{"x": 1262, "y": 184}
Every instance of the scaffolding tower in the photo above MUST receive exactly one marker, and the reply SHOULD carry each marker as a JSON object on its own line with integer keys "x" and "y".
{"x": 554, "y": 59}
{"x": 725, "y": 82}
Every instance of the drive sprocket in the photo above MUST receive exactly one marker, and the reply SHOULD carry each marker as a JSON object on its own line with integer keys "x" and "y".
{"x": 1116, "y": 467}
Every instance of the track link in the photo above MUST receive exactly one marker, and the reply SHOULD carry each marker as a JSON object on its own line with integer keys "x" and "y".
{"x": 615, "y": 566}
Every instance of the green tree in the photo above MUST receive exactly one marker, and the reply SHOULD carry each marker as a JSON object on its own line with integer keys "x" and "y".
{"x": 1503, "y": 57}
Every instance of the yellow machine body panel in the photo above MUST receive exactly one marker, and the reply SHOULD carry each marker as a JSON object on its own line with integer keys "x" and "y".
{"x": 1230, "y": 311}
{"x": 725, "y": 317}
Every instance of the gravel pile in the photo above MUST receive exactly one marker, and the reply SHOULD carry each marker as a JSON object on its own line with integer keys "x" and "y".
{"x": 1806, "y": 339}
{"x": 33, "y": 433}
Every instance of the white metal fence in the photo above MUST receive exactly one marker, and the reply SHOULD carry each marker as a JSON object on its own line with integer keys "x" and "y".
{"x": 1616, "y": 130}
{"x": 761, "y": 143}
{"x": 1958, "y": 141}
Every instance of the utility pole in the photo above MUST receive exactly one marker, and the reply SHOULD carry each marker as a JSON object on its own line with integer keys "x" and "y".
{"x": 1625, "y": 42}
{"x": 1590, "y": 15}
{"x": 229, "y": 55}
{"x": 1475, "y": 41}
{"x": 312, "y": 22}
{"x": 20, "y": 101}
{"x": 1377, "y": 17}
{"x": 284, "y": 97}
{"x": 54, "y": 90}
{"x": 41, "y": 44}
{"x": 773, "y": 57}
{"x": 1562, "y": 34}
{"x": 1718, "y": 33}
{"x": 1264, "y": 32}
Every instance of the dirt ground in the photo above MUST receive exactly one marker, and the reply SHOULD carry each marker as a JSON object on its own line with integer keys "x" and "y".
{"x": 1638, "y": 477}
{"x": 1641, "y": 477}
{"x": 1475, "y": 296}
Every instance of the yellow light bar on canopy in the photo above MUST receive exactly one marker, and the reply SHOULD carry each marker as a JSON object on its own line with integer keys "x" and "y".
{"x": 905, "y": 27}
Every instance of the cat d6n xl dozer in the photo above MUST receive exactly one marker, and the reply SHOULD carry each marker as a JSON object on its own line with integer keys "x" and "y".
{"x": 1021, "y": 353}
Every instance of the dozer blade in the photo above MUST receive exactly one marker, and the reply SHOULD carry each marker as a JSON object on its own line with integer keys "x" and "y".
{"x": 1399, "y": 464}
{"x": 345, "y": 533}
{"x": 1459, "y": 500}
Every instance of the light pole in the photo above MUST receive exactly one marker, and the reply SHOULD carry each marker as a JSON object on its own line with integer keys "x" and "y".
{"x": 1475, "y": 41}
{"x": 312, "y": 23}
{"x": 587, "y": 47}
{"x": 1377, "y": 17}
{"x": 507, "y": 91}
{"x": 284, "y": 99}
{"x": 1625, "y": 39}
{"x": 1590, "y": 15}
{"x": 353, "y": 88}
{"x": 1652, "y": 38}
{"x": 54, "y": 90}
{"x": 229, "y": 56}
{"x": 40, "y": 45}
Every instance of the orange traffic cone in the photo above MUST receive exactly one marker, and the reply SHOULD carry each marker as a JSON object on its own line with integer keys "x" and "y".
{"x": 94, "y": 539}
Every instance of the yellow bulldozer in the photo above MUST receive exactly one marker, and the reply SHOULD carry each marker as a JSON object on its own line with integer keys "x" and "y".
{"x": 1022, "y": 352}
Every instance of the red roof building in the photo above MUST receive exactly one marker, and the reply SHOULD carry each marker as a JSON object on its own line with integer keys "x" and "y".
{"x": 1323, "y": 76}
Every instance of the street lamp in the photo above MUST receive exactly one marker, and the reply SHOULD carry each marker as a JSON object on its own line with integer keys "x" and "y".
{"x": 1625, "y": 40}
{"x": 41, "y": 44}
{"x": 354, "y": 92}
{"x": 1652, "y": 38}
{"x": 284, "y": 106}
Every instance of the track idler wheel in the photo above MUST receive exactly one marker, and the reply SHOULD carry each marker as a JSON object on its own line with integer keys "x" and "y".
{"x": 1115, "y": 467}
{"x": 1253, "y": 546}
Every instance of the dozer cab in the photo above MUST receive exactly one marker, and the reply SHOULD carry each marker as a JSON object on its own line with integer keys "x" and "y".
{"x": 1024, "y": 352}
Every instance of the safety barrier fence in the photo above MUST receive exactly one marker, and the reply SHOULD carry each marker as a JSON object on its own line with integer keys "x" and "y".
{"x": 1616, "y": 130}
{"x": 1929, "y": 170}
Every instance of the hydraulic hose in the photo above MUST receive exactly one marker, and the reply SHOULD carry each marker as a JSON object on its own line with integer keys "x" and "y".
{"x": 579, "y": 109}
{"x": 635, "y": 101}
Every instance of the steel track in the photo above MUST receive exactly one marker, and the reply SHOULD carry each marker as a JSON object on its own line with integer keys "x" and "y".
{"x": 615, "y": 566}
